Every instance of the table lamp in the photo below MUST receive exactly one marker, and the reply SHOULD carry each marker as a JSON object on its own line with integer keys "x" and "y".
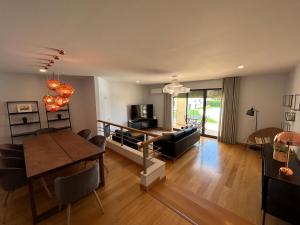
{"x": 288, "y": 138}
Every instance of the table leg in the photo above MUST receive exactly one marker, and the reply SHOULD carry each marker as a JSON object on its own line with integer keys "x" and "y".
{"x": 264, "y": 217}
{"x": 101, "y": 170}
{"x": 32, "y": 201}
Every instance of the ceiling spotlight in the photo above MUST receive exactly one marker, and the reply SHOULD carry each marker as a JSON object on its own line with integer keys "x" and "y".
{"x": 138, "y": 81}
{"x": 240, "y": 67}
{"x": 53, "y": 56}
{"x": 43, "y": 70}
{"x": 60, "y": 51}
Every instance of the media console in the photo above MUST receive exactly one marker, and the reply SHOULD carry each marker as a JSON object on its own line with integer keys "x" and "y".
{"x": 142, "y": 123}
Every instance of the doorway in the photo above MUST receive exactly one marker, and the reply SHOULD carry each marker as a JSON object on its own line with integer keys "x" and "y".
{"x": 201, "y": 107}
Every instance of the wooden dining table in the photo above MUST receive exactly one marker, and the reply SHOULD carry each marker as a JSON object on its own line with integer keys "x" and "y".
{"x": 48, "y": 153}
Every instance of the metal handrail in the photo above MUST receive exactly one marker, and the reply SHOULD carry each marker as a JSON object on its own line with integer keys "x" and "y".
{"x": 145, "y": 145}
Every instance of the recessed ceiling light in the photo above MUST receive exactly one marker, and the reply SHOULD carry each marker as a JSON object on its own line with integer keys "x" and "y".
{"x": 43, "y": 70}
{"x": 138, "y": 81}
{"x": 240, "y": 67}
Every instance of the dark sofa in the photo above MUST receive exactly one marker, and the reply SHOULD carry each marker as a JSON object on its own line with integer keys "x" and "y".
{"x": 128, "y": 139}
{"x": 175, "y": 144}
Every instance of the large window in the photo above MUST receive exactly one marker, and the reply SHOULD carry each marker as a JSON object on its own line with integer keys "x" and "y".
{"x": 200, "y": 107}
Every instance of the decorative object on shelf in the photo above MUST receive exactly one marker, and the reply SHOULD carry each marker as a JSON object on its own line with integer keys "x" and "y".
{"x": 288, "y": 100}
{"x": 65, "y": 90}
{"x": 290, "y": 116}
{"x": 296, "y": 103}
{"x": 253, "y": 112}
{"x": 175, "y": 88}
{"x": 280, "y": 152}
{"x": 59, "y": 116}
{"x": 24, "y": 108}
{"x": 24, "y": 119}
{"x": 289, "y": 138}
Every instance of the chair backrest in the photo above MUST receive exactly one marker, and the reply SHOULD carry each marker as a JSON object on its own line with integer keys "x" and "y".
{"x": 86, "y": 133}
{"x": 12, "y": 146}
{"x": 99, "y": 141}
{"x": 11, "y": 153}
{"x": 74, "y": 187}
{"x": 11, "y": 175}
{"x": 45, "y": 131}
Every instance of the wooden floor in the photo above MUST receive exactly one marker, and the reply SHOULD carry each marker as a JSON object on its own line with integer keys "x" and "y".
{"x": 123, "y": 201}
{"x": 227, "y": 175}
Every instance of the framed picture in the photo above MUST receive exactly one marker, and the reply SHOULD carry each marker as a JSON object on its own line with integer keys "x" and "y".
{"x": 24, "y": 108}
{"x": 296, "y": 105}
{"x": 290, "y": 116}
{"x": 288, "y": 100}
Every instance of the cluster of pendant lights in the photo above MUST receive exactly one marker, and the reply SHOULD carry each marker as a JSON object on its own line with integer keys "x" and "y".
{"x": 62, "y": 95}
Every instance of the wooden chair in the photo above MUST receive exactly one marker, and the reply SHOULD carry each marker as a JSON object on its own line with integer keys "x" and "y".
{"x": 72, "y": 188}
{"x": 12, "y": 177}
{"x": 86, "y": 133}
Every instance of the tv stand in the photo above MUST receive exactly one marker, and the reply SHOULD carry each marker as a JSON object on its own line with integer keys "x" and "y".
{"x": 142, "y": 123}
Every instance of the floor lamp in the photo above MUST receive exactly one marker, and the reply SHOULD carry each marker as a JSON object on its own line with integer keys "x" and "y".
{"x": 253, "y": 112}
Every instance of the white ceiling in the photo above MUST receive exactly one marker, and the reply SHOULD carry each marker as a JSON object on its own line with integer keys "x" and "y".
{"x": 150, "y": 40}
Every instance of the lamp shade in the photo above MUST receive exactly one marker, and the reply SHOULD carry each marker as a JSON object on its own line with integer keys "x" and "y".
{"x": 52, "y": 107}
{"x": 61, "y": 101}
{"x": 53, "y": 84}
{"x": 48, "y": 99}
{"x": 65, "y": 90}
{"x": 288, "y": 138}
{"x": 250, "y": 112}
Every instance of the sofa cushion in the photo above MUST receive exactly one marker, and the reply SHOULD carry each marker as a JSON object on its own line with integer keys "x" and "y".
{"x": 188, "y": 131}
{"x": 177, "y": 136}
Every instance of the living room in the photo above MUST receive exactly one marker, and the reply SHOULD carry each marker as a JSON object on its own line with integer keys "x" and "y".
{"x": 181, "y": 102}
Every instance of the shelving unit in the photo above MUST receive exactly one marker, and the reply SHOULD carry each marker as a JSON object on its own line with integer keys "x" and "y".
{"x": 60, "y": 123}
{"x": 18, "y": 128}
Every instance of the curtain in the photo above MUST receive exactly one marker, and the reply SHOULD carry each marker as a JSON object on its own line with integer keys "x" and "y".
{"x": 228, "y": 125}
{"x": 167, "y": 122}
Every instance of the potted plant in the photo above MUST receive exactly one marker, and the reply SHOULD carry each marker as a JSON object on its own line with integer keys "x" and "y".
{"x": 280, "y": 152}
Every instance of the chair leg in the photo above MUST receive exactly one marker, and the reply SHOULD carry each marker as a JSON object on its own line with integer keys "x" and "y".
{"x": 46, "y": 187}
{"x": 5, "y": 207}
{"x": 98, "y": 200}
{"x": 69, "y": 214}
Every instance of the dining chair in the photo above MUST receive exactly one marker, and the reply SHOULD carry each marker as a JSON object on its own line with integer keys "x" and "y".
{"x": 86, "y": 133}
{"x": 99, "y": 141}
{"x": 45, "y": 130}
{"x": 11, "y": 153}
{"x": 4, "y": 153}
{"x": 12, "y": 177}
{"x": 72, "y": 188}
{"x": 12, "y": 146}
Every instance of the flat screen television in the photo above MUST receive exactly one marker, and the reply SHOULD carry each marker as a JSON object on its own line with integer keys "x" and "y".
{"x": 141, "y": 111}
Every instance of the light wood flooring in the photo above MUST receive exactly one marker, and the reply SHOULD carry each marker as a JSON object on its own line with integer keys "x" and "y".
{"x": 123, "y": 201}
{"x": 227, "y": 175}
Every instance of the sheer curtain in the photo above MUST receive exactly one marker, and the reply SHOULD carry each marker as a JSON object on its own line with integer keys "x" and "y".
{"x": 167, "y": 122}
{"x": 228, "y": 125}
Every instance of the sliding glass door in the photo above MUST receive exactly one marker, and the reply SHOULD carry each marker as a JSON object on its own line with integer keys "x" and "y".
{"x": 199, "y": 107}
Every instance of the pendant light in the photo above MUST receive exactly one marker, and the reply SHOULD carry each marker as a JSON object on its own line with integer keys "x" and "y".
{"x": 175, "y": 88}
{"x": 61, "y": 101}
{"x": 65, "y": 90}
{"x": 52, "y": 107}
{"x": 48, "y": 99}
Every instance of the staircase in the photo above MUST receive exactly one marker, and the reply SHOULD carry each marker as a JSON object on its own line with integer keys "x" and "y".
{"x": 193, "y": 208}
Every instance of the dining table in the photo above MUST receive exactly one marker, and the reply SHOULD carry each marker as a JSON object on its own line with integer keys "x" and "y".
{"x": 47, "y": 153}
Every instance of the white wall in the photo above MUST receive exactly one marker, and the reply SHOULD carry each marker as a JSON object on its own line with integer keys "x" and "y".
{"x": 116, "y": 97}
{"x": 158, "y": 99}
{"x": 14, "y": 87}
{"x": 293, "y": 87}
{"x": 265, "y": 93}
